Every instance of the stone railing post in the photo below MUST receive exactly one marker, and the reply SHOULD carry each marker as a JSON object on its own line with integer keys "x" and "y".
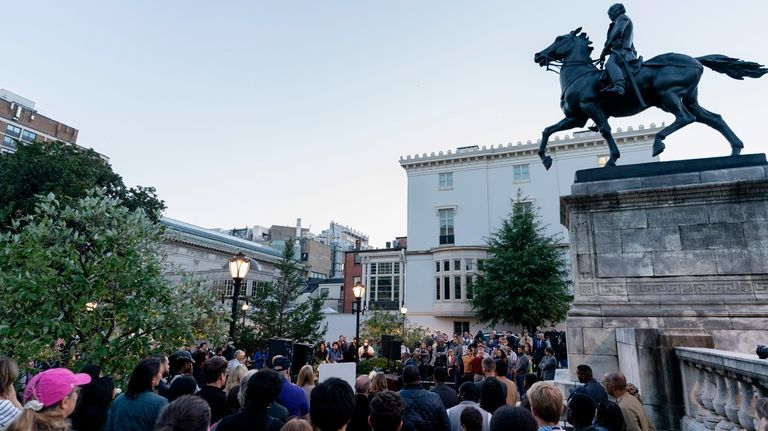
{"x": 732, "y": 407}
{"x": 745, "y": 412}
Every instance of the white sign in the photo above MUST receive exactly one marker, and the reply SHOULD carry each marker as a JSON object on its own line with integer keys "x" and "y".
{"x": 346, "y": 371}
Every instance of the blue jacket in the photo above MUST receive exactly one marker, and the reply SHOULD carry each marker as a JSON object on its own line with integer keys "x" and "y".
{"x": 423, "y": 409}
{"x": 139, "y": 414}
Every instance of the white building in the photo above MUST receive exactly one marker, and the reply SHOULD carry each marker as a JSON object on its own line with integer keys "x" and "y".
{"x": 456, "y": 200}
{"x": 342, "y": 238}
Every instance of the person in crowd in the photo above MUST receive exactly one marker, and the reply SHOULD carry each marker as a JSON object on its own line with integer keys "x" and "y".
{"x": 409, "y": 359}
{"x": 332, "y": 405}
{"x": 424, "y": 358}
{"x": 197, "y": 370}
{"x": 184, "y": 385}
{"x": 635, "y": 418}
{"x": 306, "y": 380}
{"x": 296, "y": 424}
{"x": 334, "y": 355}
{"x": 528, "y": 380}
{"x": 471, "y": 420}
{"x": 49, "y": 398}
{"x": 513, "y": 418}
{"x": 581, "y": 412}
{"x": 93, "y": 402}
{"x": 761, "y": 410}
{"x": 452, "y": 366}
{"x": 291, "y": 396}
{"x": 546, "y": 405}
{"x": 540, "y": 345}
{"x": 365, "y": 351}
{"x": 522, "y": 368}
{"x": 234, "y": 376}
{"x": 321, "y": 353}
{"x": 275, "y": 410}
{"x": 469, "y": 398}
{"x": 180, "y": 364}
{"x": 548, "y": 364}
{"x": 139, "y": 407}
{"x": 262, "y": 389}
{"x": 423, "y": 409}
{"x": 609, "y": 417}
{"x": 492, "y": 395}
{"x": 502, "y": 370}
{"x": 447, "y": 395}
{"x": 592, "y": 388}
{"x": 489, "y": 373}
{"x": 359, "y": 421}
{"x": 10, "y": 408}
{"x": 259, "y": 357}
{"x": 164, "y": 385}
{"x": 386, "y": 411}
{"x": 477, "y": 364}
{"x": 238, "y": 358}
{"x": 526, "y": 340}
{"x": 213, "y": 391}
{"x": 378, "y": 384}
{"x": 466, "y": 361}
{"x": 186, "y": 413}
{"x": 350, "y": 353}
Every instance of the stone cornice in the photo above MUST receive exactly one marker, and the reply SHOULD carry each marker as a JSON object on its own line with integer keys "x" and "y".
{"x": 588, "y": 140}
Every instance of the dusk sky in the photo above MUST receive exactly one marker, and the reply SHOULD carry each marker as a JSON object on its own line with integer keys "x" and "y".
{"x": 257, "y": 113}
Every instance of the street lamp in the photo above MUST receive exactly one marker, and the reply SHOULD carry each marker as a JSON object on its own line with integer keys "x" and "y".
{"x": 90, "y": 306}
{"x": 359, "y": 291}
{"x": 238, "y": 268}
{"x": 403, "y": 311}
{"x": 245, "y": 309}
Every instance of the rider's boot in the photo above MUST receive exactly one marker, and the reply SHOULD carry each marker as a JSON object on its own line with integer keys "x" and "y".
{"x": 616, "y": 88}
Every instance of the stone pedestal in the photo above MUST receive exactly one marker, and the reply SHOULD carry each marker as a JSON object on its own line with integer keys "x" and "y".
{"x": 668, "y": 246}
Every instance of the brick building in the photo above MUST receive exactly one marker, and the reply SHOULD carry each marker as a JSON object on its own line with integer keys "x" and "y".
{"x": 20, "y": 122}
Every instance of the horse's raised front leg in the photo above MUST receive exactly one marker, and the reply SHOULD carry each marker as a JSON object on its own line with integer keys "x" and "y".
{"x": 564, "y": 124}
{"x": 671, "y": 102}
{"x": 601, "y": 121}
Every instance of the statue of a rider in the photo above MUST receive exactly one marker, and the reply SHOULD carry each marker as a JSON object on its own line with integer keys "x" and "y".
{"x": 619, "y": 46}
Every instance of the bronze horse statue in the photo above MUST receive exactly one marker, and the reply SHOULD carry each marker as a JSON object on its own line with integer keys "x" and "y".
{"x": 668, "y": 81}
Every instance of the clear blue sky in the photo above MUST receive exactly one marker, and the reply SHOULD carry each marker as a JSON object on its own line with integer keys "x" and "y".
{"x": 244, "y": 113}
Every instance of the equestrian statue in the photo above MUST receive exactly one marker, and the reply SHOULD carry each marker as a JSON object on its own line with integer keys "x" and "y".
{"x": 668, "y": 81}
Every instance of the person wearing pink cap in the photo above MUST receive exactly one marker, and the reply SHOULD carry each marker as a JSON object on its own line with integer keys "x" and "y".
{"x": 50, "y": 397}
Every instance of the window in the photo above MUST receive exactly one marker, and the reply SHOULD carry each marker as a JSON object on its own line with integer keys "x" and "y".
{"x": 469, "y": 264}
{"x": 324, "y": 291}
{"x": 437, "y": 288}
{"x": 446, "y": 287}
{"x": 522, "y": 205}
{"x": 13, "y": 131}
{"x": 456, "y": 287}
{"x": 521, "y": 173}
{"x": 469, "y": 287}
{"x": 460, "y": 327}
{"x": 9, "y": 142}
{"x": 602, "y": 160}
{"x": 224, "y": 287}
{"x": 446, "y": 265}
{"x": 446, "y": 226}
{"x": 384, "y": 285}
{"x": 28, "y": 136}
{"x": 457, "y": 265}
{"x": 480, "y": 265}
{"x": 357, "y": 259}
{"x": 445, "y": 180}
{"x": 437, "y": 266}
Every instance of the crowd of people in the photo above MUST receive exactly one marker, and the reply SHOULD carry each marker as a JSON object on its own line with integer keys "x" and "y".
{"x": 200, "y": 390}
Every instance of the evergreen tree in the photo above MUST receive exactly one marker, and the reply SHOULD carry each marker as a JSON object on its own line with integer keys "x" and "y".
{"x": 525, "y": 276}
{"x": 275, "y": 311}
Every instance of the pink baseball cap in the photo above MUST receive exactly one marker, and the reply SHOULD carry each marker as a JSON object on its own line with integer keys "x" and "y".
{"x": 52, "y": 386}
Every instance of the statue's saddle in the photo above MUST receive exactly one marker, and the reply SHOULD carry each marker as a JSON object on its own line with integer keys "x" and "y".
{"x": 634, "y": 67}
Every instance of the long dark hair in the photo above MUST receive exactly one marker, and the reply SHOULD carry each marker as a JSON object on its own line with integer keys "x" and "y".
{"x": 609, "y": 416}
{"x": 93, "y": 404}
{"x": 141, "y": 377}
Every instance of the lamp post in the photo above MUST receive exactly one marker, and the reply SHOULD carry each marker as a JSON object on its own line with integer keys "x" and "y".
{"x": 245, "y": 310}
{"x": 238, "y": 268}
{"x": 403, "y": 311}
{"x": 359, "y": 291}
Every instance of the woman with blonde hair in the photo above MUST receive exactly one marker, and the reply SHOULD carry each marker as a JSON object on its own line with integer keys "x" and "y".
{"x": 296, "y": 424}
{"x": 306, "y": 379}
{"x": 234, "y": 377}
{"x": 50, "y": 397}
{"x": 10, "y": 408}
{"x": 378, "y": 384}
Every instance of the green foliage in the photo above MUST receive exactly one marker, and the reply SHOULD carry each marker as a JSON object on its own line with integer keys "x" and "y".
{"x": 525, "y": 277}
{"x": 89, "y": 275}
{"x": 366, "y": 366}
{"x": 210, "y": 319}
{"x": 275, "y": 311}
{"x": 68, "y": 172}
{"x": 380, "y": 322}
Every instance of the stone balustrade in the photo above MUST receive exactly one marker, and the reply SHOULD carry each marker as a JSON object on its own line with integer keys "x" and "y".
{"x": 720, "y": 388}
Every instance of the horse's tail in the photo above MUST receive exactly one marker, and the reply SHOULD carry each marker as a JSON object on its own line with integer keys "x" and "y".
{"x": 733, "y": 67}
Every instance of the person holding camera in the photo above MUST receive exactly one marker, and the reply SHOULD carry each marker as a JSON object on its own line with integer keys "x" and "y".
{"x": 365, "y": 351}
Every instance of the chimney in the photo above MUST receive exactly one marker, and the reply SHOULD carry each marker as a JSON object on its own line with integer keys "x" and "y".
{"x": 298, "y": 228}
{"x": 389, "y": 244}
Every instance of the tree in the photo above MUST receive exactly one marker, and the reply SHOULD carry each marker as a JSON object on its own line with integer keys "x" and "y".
{"x": 275, "y": 311}
{"x": 68, "y": 172}
{"x": 87, "y": 279}
{"x": 525, "y": 276}
{"x": 210, "y": 315}
{"x": 380, "y": 322}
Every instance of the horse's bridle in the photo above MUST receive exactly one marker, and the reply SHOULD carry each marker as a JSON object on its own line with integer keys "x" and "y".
{"x": 556, "y": 64}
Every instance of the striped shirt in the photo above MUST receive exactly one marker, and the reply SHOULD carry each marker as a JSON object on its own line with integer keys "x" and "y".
{"x": 8, "y": 413}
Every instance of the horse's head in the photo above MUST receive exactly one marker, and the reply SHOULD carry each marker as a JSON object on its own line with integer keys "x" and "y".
{"x": 563, "y": 46}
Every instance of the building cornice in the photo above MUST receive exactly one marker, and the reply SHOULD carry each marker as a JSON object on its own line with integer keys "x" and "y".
{"x": 585, "y": 140}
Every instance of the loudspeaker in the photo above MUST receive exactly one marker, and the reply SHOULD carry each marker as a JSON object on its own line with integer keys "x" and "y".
{"x": 278, "y": 346}
{"x": 302, "y": 355}
{"x": 394, "y": 350}
{"x": 386, "y": 346}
